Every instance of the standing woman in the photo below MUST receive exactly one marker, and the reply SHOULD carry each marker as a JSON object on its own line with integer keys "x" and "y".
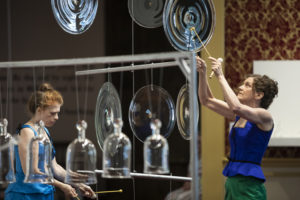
{"x": 251, "y": 132}
{"x": 43, "y": 105}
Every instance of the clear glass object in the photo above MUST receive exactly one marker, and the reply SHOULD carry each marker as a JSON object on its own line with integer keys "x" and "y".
{"x": 156, "y": 151}
{"x": 81, "y": 158}
{"x": 151, "y": 102}
{"x": 180, "y": 16}
{"x": 108, "y": 108}
{"x": 183, "y": 112}
{"x": 117, "y": 154}
{"x": 7, "y": 169}
{"x": 39, "y": 157}
{"x": 147, "y": 13}
{"x": 74, "y": 16}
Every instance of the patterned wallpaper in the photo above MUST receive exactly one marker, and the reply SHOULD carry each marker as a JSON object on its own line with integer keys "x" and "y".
{"x": 261, "y": 30}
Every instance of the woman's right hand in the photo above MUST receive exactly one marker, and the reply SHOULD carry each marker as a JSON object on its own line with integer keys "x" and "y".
{"x": 201, "y": 65}
{"x": 69, "y": 190}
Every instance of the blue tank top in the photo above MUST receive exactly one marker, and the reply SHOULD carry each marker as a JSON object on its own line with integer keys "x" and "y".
{"x": 247, "y": 147}
{"x": 29, "y": 188}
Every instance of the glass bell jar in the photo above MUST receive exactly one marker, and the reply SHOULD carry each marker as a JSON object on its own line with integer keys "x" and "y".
{"x": 81, "y": 158}
{"x": 7, "y": 172}
{"x": 39, "y": 157}
{"x": 156, "y": 151}
{"x": 117, "y": 153}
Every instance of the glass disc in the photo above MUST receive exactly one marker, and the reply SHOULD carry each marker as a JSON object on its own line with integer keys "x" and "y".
{"x": 151, "y": 102}
{"x": 108, "y": 108}
{"x": 183, "y": 112}
{"x": 180, "y": 16}
{"x": 146, "y": 13}
{"x": 74, "y": 16}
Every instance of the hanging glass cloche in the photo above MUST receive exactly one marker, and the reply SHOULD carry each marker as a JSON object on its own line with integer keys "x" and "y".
{"x": 39, "y": 158}
{"x": 156, "y": 151}
{"x": 117, "y": 153}
{"x": 7, "y": 172}
{"x": 81, "y": 159}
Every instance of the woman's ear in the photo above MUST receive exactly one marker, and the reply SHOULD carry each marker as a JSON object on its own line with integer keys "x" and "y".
{"x": 259, "y": 95}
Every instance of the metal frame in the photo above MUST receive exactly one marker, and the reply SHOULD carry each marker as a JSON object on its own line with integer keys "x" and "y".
{"x": 184, "y": 60}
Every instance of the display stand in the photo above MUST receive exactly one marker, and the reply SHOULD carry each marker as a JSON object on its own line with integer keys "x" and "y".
{"x": 184, "y": 60}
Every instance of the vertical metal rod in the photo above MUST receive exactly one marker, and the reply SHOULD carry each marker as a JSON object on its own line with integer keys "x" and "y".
{"x": 194, "y": 128}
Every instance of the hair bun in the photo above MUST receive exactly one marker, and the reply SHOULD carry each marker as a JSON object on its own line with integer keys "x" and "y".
{"x": 45, "y": 87}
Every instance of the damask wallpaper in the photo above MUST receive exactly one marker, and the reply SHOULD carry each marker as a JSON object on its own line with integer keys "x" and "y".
{"x": 261, "y": 30}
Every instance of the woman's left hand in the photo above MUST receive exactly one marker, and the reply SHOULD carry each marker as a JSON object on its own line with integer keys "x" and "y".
{"x": 87, "y": 191}
{"x": 216, "y": 66}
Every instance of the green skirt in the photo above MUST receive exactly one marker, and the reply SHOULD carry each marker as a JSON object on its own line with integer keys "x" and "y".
{"x": 244, "y": 188}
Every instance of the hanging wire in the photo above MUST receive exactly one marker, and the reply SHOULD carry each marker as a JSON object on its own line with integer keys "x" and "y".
{"x": 77, "y": 97}
{"x": 86, "y": 94}
{"x": 133, "y": 91}
{"x": 1, "y": 101}
{"x": 170, "y": 192}
{"x": 34, "y": 86}
{"x": 43, "y": 68}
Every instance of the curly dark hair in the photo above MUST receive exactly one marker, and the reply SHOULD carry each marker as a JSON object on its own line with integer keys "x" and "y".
{"x": 266, "y": 85}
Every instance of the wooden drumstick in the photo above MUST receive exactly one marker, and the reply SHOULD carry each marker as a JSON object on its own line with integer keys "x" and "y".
{"x": 212, "y": 73}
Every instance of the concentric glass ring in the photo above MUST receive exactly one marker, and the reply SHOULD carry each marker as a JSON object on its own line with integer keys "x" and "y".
{"x": 183, "y": 112}
{"x": 180, "y": 16}
{"x": 108, "y": 108}
{"x": 151, "y": 102}
{"x": 74, "y": 16}
{"x": 147, "y": 13}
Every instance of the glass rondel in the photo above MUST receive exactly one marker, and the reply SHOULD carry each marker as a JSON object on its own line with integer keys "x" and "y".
{"x": 117, "y": 153}
{"x": 108, "y": 108}
{"x": 7, "y": 172}
{"x": 151, "y": 102}
{"x": 39, "y": 157}
{"x": 147, "y": 13}
{"x": 81, "y": 158}
{"x": 156, "y": 151}
{"x": 180, "y": 16}
{"x": 183, "y": 112}
{"x": 74, "y": 16}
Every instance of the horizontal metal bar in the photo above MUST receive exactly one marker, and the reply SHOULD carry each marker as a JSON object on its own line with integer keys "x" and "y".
{"x": 95, "y": 60}
{"x": 153, "y": 176}
{"x": 127, "y": 68}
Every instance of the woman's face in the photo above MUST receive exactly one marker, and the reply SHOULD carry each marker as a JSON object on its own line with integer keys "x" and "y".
{"x": 246, "y": 91}
{"x": 49, "y": 115}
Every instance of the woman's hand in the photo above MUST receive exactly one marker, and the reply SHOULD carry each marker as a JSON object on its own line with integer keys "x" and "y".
{"x": 216, "y": 66}
{"x": 87, "y": 191}
{"x": 201, "y": 65}
{"x": 68, "y": 190}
